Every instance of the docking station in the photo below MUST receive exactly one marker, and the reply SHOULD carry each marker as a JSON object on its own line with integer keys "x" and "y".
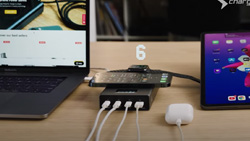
{"x": 146, "y": 95}
{"x": 137, "y": 84}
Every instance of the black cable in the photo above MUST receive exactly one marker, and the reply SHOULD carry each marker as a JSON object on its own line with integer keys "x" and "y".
{"x": 183, "y": 76}
{"x": 66, "y": 8}
{"x": 172, "y": 73}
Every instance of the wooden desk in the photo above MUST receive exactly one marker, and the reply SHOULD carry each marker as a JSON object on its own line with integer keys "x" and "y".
{"x": 74, "y": 118}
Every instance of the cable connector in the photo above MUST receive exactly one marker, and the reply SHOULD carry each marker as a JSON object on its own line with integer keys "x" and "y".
{"x": 139, "y": 104}
{"x": 128, "y": 104}
{"x": 178, "y": 122}
{"x": 106, "y": 104}
{"x": 117, "y": 104}
{"x": 87, "y": 78}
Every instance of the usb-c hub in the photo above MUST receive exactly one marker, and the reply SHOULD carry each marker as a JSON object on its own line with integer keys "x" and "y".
{"x": 134, "y": 95}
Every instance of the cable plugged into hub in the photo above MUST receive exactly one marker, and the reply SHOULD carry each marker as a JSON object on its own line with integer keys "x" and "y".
{"x": 104, "y": 106}
{"x": 145, "y": 95}
{"x": 138, "y": 105}
{"x": 127, "y": 105}
{"x": 116, "y": 105}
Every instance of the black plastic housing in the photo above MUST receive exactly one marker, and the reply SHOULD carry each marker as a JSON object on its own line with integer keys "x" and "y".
{"x": 146, "y": 95}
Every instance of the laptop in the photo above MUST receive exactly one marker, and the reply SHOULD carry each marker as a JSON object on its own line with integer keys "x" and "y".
{"x": 39, "y": 69}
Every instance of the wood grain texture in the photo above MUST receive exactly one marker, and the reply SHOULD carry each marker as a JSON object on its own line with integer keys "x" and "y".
{"x": 50, "y": 17}
{"x": 74, "y": 118}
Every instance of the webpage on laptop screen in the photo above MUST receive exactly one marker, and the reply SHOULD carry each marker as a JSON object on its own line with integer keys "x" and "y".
{"x": 48, "y": 44}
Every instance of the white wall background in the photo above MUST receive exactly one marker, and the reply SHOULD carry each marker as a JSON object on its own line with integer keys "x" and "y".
{"x": 92, "y": 21}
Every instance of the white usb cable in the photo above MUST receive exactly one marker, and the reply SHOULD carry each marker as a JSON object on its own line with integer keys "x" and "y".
{"x": 115, "y": 106}
{"x": 178, "y": 123}
{"x": 127, "y": 105}
{"x": 104, "y": 106}
{"x": 138, "y": 105}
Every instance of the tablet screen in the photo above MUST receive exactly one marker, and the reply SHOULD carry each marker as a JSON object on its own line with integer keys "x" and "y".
{"x": 226, "y": 68}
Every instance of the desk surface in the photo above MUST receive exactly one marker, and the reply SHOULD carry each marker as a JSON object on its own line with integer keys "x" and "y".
{"x": 74, "y": 118}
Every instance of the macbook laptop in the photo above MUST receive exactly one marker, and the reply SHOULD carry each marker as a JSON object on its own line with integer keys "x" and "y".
{"x": 39, "y": 69}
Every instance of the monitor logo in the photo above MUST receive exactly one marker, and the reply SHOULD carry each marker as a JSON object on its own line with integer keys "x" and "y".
{"x": 224, "y": 3}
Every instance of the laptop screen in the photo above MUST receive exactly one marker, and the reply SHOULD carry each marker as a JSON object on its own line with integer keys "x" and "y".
{"x": 42, "y": 48}
{"x": 46, "y": 41}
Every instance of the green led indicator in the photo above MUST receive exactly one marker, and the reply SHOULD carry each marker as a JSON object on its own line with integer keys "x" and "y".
{"x": 163, "y": 81}
{"x": 215, "y": 42}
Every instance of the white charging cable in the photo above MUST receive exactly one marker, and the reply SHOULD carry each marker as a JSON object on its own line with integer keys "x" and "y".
{"x": 104, "y": 106}
{"x": 127, "y": 105}
{"x": 178, "y": 123}
{"x": 138, "y": 105}
{"x": 115, "y": 106}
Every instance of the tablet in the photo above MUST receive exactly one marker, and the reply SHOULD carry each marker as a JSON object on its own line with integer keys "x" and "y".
{"x": 225, "y": 70}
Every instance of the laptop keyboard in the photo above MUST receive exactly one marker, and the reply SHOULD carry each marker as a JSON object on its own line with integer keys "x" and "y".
{"x": 29, "y": 84}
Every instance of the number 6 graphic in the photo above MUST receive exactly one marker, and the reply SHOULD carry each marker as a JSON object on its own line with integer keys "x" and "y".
{"x": 140, "y": 54}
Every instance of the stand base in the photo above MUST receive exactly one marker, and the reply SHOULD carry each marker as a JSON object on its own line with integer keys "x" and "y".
{"x": 146, "y": 95}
